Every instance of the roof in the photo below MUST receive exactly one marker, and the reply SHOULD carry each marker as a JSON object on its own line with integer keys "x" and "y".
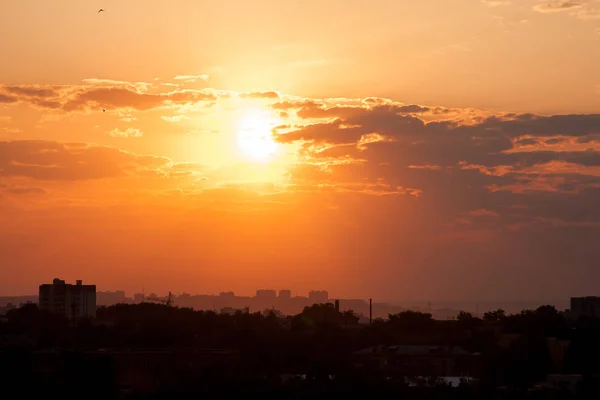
{"x": 415, "y": 350}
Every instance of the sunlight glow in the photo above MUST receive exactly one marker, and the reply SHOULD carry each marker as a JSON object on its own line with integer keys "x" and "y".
{"x": 254, "y": 137}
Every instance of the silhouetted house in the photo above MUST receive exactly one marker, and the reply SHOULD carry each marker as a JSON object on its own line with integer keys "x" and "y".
{"x": 72, "y": 301}
{"x": 285, "y": 294}
{"x": 420, "y": 360}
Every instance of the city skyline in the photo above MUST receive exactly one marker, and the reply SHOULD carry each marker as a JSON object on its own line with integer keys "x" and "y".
{"x": 388, "y": 150}
{"x": 290, "y": 303}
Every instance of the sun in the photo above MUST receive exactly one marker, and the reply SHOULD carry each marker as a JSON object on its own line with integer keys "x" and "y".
{"x": 254, "y": 137}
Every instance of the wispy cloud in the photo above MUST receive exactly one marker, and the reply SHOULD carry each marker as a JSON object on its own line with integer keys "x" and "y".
{"x": 174, "y": 118}
{"x": 192, "y": 78}
{"x": 127, "y": 133}
{"x": 557, "y": 6}
{"x": 496, "y": 3}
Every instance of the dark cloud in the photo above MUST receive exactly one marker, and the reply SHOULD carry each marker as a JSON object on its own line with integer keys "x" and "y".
{"x": 45, "y": 160}
{"x": 112, "y": 98}
{"x": 557, "y": 6}
{"x": 460, "y": 165}
{"x": 4, "y": 98}
{"x": 31, "y": 91}
{"x": 80, "y": 98}
{"x": 314, "y": 110}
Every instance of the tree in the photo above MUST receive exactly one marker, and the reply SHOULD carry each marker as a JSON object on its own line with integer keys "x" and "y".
{"x": 411, "y": 318}
{"x": 494, "y": 316}
{"x": 466, "y": 320}
{"x": 270, "y": 312}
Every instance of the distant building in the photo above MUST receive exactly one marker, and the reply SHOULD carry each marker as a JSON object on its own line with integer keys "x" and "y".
{"x": 110, "y": 298}
{"x": 285, "y": 294}
{"x": 139, "y": 298}
{"x": 228, "y": 295}
{"x": 266, "y": 294}
{"x": 585, "y": 306}
{"x": 318, "y": 296}
{"x": 72, "y": 301}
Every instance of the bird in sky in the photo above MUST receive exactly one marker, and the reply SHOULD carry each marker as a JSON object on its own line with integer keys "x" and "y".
{"x": 100, "y": 10}
{"x": 103, "y": 110}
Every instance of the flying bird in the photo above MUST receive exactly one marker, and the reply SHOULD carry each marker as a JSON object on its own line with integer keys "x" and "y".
{"x": 103, "y": 110}
{"x": 100, "y": 10}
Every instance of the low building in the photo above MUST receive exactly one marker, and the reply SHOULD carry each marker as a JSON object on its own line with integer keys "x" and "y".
{"x": 420, "y": 360}
{"x": 72, "y": 301}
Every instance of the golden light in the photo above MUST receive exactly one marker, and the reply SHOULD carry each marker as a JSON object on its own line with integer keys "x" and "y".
{"x": 254, "y": 138}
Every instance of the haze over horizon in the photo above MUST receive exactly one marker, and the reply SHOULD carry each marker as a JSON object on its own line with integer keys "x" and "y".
{"x": 386, "y": 149}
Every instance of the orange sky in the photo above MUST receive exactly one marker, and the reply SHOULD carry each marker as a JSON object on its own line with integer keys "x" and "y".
{"x": 391, "y": 149}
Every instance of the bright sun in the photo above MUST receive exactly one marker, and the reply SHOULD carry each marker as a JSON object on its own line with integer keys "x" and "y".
{"x": 254, "y": 136}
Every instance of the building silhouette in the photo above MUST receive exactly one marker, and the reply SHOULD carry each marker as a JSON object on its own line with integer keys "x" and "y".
{"x": 285, "y": 294}
{"x": 72, "y": 301}
{"x": 265, "y": 294}
{"x": 586, "y": 306}
{"x": 318, "y": 296}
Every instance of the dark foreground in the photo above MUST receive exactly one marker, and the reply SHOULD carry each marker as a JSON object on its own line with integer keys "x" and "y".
{"x": 157, "y": 352}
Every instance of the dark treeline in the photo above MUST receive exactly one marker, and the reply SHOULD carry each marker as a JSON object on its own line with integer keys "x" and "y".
{"x": 316, "y": 347}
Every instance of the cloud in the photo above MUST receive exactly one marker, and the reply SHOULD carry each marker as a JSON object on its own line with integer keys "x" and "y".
{"x": 96, "y": 97}
{"x": 584, "y": 10}
{"x": 30, "y": 91}
{"x": 127, "y": 133}
{"x": 556, "y": 6}
{"x": 174, "y": 118}
{"x": 259, "y": 95}
{"x": 496, "y": 3}
{"x": 53, "y": 161}
{"x": 375, "y": 183}
{"x": 461, "y": 160}
{"x": 4, "y": 98}
{"x": 191, "y": 78}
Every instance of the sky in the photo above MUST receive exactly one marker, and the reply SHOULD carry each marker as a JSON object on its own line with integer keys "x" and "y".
{"x": 385, "y": 149}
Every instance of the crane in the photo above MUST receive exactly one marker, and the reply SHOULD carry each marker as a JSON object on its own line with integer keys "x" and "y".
{"x": 168, "y": 301}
